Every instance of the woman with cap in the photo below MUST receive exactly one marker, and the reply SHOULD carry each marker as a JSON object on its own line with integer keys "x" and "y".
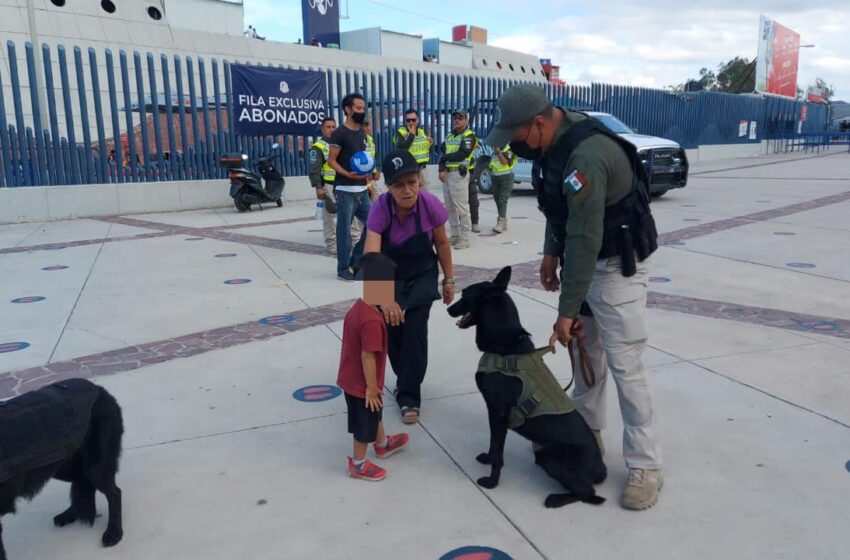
{"x": 409, "y": 225}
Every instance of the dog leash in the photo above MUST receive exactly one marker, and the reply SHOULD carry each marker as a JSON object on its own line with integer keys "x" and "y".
{"x": 585, "y": 365}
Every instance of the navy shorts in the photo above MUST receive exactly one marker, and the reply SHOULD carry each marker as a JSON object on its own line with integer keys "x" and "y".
{"x": 362, "y": 422}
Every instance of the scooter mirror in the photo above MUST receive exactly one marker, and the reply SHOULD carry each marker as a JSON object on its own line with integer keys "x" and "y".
{"x": 275, "y": 146}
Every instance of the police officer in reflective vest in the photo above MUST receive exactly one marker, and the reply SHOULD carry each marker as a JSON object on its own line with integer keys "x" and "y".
{"x": 322, "y": 178}
{"x": 502, "y": 174}
{"x": 412, "y": 137}
{"x": 460, "y": 200}
{"x": 594, "y": 192}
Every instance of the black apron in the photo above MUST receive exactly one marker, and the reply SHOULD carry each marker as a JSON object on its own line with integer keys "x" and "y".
{"x": 416, "y": 274}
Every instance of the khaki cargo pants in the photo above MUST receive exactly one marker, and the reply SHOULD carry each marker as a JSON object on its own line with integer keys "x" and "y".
{"x": 456, "y": 197}
{"x": 616, "y": 340}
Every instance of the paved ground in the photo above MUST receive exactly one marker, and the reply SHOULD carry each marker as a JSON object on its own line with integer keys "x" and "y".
{"x": 750, "y": 346}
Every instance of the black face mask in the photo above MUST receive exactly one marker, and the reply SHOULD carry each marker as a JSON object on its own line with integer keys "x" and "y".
{"x": 359, "y": 118}
{"x": 523, "y": 150}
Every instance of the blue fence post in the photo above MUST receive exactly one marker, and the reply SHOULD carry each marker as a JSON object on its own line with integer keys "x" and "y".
{"x": 208, "y": 137}
{"x": 188, "y": 169}
{"x": 132, "y": 156}
{"x": 117, "y": 166}
{"x": 40, "y": 171}
{"x": 155, "y": 114}
{"x": 98, "y": 114}
{"x": 200, "y": 169}
{"x": 5, "y": 140}
{"x": 231, "y": 118}
{"x": 88, "y": 168}
{"x": 168, "y": 101}
{"x": 71, "y": 149}
{"x": 222, "y": 145}
{"x": 143, "y": 116}
{"x": 25, "y": 178}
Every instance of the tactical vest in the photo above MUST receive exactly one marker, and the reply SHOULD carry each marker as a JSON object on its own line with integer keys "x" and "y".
{"x": 632, "y": 211}
{"x": 328, "y": 172}
{"x": 453, "y": 144}
{"x": 498, "y": 168}
{"x": 541, "y": 393}
{"x": 420, "y": 149}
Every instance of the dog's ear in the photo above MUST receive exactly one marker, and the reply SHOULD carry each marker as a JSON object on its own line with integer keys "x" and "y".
{"x": 503, "y": 278}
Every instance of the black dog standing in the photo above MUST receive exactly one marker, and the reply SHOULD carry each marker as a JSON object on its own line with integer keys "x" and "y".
{"x": 70, "y": 431}
{"x": 523, "y": 395}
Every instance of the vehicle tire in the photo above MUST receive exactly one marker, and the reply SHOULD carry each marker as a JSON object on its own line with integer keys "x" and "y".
{"x": 658, "y": 194}
{"x": 240, "y": 204}
{"x": 481, "y": 176}
{"x": 279, "y": 202}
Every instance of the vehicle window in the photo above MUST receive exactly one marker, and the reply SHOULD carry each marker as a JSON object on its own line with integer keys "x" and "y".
{"x": 614, "y": 124}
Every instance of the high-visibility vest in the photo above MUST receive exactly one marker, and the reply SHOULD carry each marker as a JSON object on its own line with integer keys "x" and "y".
{"x": 328, "y": 172}
{"x": 498, "y": 168}
{"x": 453, "y": 144}
{"x": 420, "y": 149}
{"x": 370, "y": 146}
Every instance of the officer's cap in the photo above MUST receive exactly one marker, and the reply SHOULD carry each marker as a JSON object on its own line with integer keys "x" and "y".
{"x": 515, "y": 107}
{"x": 462, "y": 112}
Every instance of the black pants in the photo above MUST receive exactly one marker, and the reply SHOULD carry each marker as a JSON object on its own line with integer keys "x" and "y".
{"x": 408, "y": 351}
{"x": 473, "y": 202}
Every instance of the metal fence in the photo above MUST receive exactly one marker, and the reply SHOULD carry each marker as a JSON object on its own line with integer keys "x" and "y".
{"x": 809, "y": 142}
{"x": 143, "y": 118}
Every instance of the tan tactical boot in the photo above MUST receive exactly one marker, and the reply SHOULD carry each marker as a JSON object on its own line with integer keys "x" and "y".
{"x": 598, "y": 434}
{"x": 461, "y": 244}
{"x": 501, "y": 225}
{"x": 476, "y": 228}
{"x": 642, "y": 489}
{"x": 453, "y": 239}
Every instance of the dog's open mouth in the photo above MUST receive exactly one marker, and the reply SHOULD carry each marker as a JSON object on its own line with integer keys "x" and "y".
{"x": 465, "y": 321}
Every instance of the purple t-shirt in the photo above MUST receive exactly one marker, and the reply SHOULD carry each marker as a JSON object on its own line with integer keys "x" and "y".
{"x": 432, "y": 215}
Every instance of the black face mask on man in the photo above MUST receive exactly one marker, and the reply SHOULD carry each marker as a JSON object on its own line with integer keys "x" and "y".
{"x": 523, "y": 150}
{"x": 359, "y": 118}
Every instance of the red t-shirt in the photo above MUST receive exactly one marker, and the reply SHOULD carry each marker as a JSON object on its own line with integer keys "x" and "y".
{"x": 362, "y": 331}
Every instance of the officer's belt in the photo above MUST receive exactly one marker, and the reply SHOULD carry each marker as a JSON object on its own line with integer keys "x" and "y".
{"x": 541, "y": 393}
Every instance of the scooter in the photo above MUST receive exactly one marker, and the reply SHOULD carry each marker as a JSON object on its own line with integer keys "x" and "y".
{"x": 248, "y": 187}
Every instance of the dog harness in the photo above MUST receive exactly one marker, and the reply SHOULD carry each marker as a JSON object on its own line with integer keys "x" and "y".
{"x": 541, "y": 393}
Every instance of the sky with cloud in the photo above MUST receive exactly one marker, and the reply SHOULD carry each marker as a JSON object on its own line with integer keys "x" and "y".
{"x": 651, "y": 43}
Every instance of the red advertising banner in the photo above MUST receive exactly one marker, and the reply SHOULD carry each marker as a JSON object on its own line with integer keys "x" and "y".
{"x": 778, "y": 59}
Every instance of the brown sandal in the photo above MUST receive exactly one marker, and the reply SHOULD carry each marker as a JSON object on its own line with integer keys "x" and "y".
{"x": 410, "y": 414}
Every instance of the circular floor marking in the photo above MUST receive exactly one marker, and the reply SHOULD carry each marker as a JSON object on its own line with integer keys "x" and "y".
{"x": 237, "y": 281}
{"x": 28, "y": 299}
{"x": 800, "y": 265}
{"x": 659, "y": 279}
{"x": 277, "y": 320}
{"x": 225, "y": 255}
{"x": 55, "y": 267}
{"x": 6, "y": 347}
{"x": 475, "y": 553}
{"x": 317, "y": 393}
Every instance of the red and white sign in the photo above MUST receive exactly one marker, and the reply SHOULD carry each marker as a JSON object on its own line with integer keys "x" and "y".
{"x": 778, "y": 58}
{"x": 815, "y": 95}
{"x": 804, "y": 113}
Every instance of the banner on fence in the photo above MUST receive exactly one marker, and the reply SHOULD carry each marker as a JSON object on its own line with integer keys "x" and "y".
{"x": 778, "y": 58}
{"x": 272, "y": 101}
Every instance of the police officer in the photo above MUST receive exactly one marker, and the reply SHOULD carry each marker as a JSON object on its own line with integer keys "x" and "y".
{"x": 322, "y": 178}
{"x": 454, "y": 174}
{"x": 412, "y": 137}
{"x": 593, "y": 190}
{"x": 502, "y": 173}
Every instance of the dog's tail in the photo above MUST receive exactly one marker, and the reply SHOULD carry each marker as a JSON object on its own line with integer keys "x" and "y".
{"x": 593, "y": 500}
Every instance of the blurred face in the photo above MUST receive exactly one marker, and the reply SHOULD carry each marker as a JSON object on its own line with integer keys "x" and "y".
{"x": 379, "y": 292}
{"x": 405, "y": 190}
{"x": 459, "y": 122}
{"x": 328, "y": 129}
{"x": 367, "y": 127}
{"x": 411, "y": 120}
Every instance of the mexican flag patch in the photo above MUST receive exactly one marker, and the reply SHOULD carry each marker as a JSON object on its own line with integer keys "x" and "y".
{"x": 575, "y": 181}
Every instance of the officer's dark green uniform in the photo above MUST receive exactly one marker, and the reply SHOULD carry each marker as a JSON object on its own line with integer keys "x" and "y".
{"x": 502, "y": 175}
{"x": 593, "y": 190}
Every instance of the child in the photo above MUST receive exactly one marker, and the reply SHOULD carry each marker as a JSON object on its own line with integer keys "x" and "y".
{"x": 362, "y": 365}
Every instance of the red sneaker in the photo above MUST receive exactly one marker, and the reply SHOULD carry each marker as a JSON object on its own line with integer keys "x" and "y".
{"x": 368, "y": 471}
{"x": 393, "y": 444}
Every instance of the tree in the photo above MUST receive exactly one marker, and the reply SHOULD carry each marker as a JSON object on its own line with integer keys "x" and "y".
{"x": 827, "y": 89}
{"x": 735, "y": 76}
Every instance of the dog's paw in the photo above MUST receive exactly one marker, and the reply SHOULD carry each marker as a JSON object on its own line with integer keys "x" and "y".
{"x": 112, "y": 537}
{"x": 483, "y": 458}
{"x": 65, "y": 518}
{"x": 560, "y": 500}
{"x": 488, "y": 482}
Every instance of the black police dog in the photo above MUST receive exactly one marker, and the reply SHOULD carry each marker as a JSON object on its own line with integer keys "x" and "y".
{"x": 565, "y": 446}
{"x": 70, "y": 431}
